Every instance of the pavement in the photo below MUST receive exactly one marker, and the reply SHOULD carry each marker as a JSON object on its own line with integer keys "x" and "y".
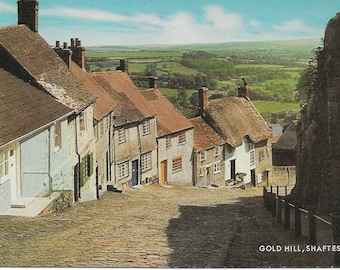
{"x": 156, "y": 226}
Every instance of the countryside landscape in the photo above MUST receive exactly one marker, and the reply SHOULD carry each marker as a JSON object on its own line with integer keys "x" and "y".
{"x": 271, "y": 68}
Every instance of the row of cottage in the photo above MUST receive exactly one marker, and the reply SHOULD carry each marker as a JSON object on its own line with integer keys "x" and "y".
{"x": 64, "y": 129}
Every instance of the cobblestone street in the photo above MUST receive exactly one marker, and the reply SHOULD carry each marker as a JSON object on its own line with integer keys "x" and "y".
{"x": 154, "y": 226}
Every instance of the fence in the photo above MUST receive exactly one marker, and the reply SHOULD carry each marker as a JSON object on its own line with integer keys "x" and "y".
{"x": 281, "y": 209}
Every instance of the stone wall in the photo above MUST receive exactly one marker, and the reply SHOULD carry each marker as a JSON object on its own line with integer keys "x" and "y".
{"x": 318, "y": 131}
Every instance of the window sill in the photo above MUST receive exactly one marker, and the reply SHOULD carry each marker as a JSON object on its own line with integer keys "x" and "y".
{"x": 4, "y": 179}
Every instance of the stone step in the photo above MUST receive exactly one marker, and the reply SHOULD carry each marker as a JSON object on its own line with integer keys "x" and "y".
{"x": 22, "y": 202}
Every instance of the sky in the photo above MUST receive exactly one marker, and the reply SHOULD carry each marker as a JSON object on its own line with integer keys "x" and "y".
{"x": 143, "y": 22}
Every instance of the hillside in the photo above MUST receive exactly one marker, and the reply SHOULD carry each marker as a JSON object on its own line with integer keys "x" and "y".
{"x": 272, "y": 68}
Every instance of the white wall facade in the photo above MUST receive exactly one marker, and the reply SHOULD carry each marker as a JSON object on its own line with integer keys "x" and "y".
{"x": 177, "y": 150}
{"x": 242, "y": 158}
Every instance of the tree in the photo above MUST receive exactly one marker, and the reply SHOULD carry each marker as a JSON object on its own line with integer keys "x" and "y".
{"x": 305, "y": 85}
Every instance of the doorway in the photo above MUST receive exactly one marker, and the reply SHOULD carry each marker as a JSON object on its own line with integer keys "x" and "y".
{"x": 135, "y": 172}
{"x": 12, "y": 173}
{"x": 253, "y": 178}
{"x": 164, "y": 172}
{"x": 233, "y": 169}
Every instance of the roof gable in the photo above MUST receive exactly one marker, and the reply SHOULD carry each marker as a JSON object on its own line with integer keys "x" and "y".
{"x": 44, "y": 66}
{"x": 169, "y": 119}
{"x": 104, "y": 103}
{"x": 125, "y": 110}
{"x": 234, "y": 118}
{"x": 23, "y": 108}
{"x": 204, "y": 136}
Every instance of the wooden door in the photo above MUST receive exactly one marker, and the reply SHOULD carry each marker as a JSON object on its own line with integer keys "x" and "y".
{"x": 164, "y": 173}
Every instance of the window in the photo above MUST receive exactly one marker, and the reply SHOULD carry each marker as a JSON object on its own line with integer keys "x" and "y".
{"x": 181, "y": 138}
{"x": 101, "y": 128}
{"x": 3, "y": 162}
{"x": 82, "y": 121}
{"x": 146, "y": 161}
{"x": 252, "y": 157}
{"x": 202, "y": 155}
{"x": 146, "y": 127}
{"x": 176, "y": 165}
{"x": 251, "y": 146}
{"x": 217, "y": 151}
{"x": 201, "y": 171}
{"x": 86, "y": 168}
{"x": 168, "y": 142}
{"x": 261, "y": 155}
{"x": 121, "y": 135}
{"x": 123, "y": 170}
{"x": 217, "y": 167}
{"x": 57, "y": 135}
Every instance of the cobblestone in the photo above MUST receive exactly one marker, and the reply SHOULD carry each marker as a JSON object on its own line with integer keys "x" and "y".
{"x": 151, "y": 227}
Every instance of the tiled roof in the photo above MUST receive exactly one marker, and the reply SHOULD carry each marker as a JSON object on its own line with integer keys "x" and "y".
{"x": 41, "y": 63}
{"x": 122, "y": 92}
{"x": 204, "y": 136}
{"x": 104, "y": 103}
{"x": 122, "y": 83}
{"x": 169, "y": 119}
{"x": 234, "y": 118}
{"x": 23, "y": 108}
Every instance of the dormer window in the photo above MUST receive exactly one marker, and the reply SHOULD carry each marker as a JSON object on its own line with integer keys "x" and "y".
{"x": 182, "y": 138}
{"x": 146, "y": 127}
{"x": 82, "y": 121}
{"x": 121, "y": 136}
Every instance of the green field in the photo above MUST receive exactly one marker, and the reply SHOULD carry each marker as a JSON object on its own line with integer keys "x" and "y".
{"x": 271, "y": 68}
{"x": 272, "y": 106}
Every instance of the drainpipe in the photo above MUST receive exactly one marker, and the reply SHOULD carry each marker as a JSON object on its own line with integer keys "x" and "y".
{"x": 110, "y": 122}
{"x": 194, "y": 168}
{"x": 140, "y": 153}
{"x": 49, "y": 163}
{"x": 78, "y": 195}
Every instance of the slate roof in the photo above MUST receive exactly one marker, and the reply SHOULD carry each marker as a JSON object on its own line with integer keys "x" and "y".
{"x": 288, "y": 139}
{"x": 104, "y": 103}
{"x": 204, "y": 136}
{"x": 32, "y": 53}
{"x": 169, "y": 119}
{"x": 130, "y": 104}
{"x": 24, "y": 108}
{"x": 234, "y": 118}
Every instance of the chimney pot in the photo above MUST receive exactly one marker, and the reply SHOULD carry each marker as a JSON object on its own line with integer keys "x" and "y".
{"x": 72, "y": 42}
{"x": 57, "y": 44}
{"x": 202, "y": 99}
{"x": 153, "y": 82}
{"x": 124, "y": 65}
{"x": 65, "y": 45}
{"x": 28, "y": 14}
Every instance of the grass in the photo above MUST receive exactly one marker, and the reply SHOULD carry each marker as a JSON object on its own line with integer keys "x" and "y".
{"x": 135, "y": 54}
{"x": 173, "y": 92}
{"x": 273, "y": 106}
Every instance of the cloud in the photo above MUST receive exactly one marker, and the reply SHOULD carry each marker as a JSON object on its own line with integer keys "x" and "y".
{"x": 213, "y": 25}
{"x": 296, "y": 25}
{"x": 4, "y": 7}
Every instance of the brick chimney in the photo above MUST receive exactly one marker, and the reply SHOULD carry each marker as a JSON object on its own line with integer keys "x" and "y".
{"x": 78, "y": 52}
{"x": 202, "y": 99}
{"x": 28, "y": 14}
{"x": 65, "y": 53}
{"x": 124, "y": 65}
{"x": 153, "y": 82}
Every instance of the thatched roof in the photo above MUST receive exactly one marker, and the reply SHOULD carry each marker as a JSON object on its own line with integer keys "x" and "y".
{"x": 236, "y": 117}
